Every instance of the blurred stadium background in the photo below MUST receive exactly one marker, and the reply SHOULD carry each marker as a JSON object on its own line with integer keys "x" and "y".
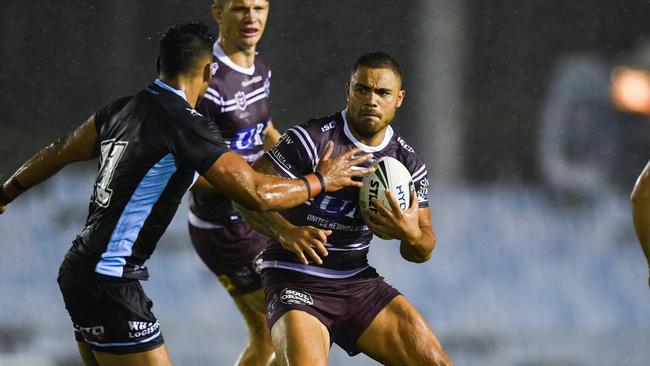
{"x": 528, "y": 271}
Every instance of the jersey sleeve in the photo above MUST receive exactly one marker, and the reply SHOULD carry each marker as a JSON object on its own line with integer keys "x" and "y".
{"x": 421, "y": 183}
{"x": 210, "y": 104}
{"x": 419, "y": 174}
{"x": 200, "y": 145}
{"x": 295, "y": 153}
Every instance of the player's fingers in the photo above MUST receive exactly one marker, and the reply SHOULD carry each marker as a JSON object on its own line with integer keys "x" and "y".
{"x": 319, "y": 235}
{"x": 414, "y": 203}
{"x": 328, "y": 151}
{"x": 376, "y": 218}
{"x": 392, "y": 201}
{"x": 354, "y": 183}
{"x": 301, "y": 255}
{"x": 356, "y": 172}
{"x": 320, "y": 246}
{"x": 359, "y": 159}
{"x": 383, "y": 210}
{"x": 348, "y": 154}
{"x": 375, "y": 223}
{"x": 312, "y": 253}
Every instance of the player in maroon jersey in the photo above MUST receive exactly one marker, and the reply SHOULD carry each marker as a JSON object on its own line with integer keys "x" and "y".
{"x": 237, "y": 100}
{"x": 318, "y": 284}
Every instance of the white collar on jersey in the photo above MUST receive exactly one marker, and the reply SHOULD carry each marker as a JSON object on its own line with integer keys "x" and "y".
{"x": 365, "y": 148}
{"x": 178, "y": 92}
{"x": 221, "y": 55}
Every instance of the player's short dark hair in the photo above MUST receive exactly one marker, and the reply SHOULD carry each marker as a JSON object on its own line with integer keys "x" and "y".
{"x": 182, "y": 46}
{"x": 377, "y": 60}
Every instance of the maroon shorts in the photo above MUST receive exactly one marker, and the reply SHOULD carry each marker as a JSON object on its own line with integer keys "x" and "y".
{"x": 345, "y": 306}
{"x": 232, "y": 254}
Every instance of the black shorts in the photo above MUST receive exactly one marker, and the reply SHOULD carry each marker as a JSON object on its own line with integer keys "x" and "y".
{"x": 345, "y": 306}
{"x": 110, "y": 315}
{"x": 232, "y": 253}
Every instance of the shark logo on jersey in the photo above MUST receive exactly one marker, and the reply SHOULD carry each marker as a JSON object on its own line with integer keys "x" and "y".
{"x": 240, "y": 97}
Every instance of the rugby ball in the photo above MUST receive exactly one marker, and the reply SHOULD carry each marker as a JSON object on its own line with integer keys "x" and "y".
{"x": 389, "y": 174}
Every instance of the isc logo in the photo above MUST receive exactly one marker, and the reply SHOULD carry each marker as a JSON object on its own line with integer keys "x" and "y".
{"x": 328, "y": 126}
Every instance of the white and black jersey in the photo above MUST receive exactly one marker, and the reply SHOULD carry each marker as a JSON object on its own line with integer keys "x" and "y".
{"x": 150, "y": 147}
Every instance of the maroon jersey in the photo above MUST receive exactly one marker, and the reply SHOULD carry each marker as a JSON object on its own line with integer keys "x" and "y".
{"x": 237, "y": 99}
{"x": 297, "y": 154}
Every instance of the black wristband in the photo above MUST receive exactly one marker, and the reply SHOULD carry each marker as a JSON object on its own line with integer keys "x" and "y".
{"x": 4, "y": 199}
{"x": 323, "y": 187}
{"x": 19, "y": 187}
{"x": 307, "y": 185}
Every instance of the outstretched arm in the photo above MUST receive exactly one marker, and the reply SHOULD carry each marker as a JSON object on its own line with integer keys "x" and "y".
{"x": 412, "y": 226}
{"x": 301, "y": 240}
{"x": 232, "y": 176}
{"x": 77, "y": 146}
{"x": 641, "y": 212}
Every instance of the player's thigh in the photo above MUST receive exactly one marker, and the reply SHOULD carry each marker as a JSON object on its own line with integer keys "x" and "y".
{"x": 399, "y": 335}
{"x": 86, "y": 354}
{"x": 253, "y": 300}
{"x": 253, "y": 309}
{"x": 300, "y": 339}
{"x": 155, "y": 357}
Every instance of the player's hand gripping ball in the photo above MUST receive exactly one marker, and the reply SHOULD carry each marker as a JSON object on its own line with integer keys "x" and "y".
{"x": 389, "y": 174}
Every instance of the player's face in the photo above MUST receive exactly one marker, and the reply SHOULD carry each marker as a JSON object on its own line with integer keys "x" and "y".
{"x": 242, "y": 22}
{"x": 373, "y": 97}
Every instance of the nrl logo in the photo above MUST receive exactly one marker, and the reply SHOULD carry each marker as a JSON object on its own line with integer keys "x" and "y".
{"x": 240, "y": 97}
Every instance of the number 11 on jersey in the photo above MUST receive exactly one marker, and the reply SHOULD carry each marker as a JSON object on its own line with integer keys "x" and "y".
{"x": 111, "y": 152}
